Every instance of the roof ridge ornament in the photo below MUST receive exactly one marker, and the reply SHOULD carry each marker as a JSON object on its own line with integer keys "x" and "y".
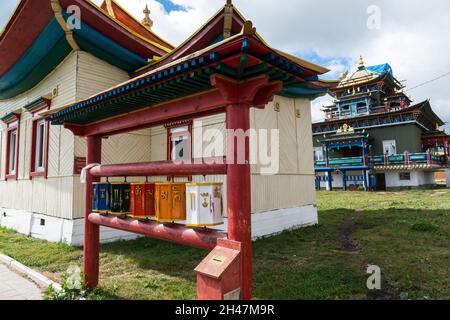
{"x": 228, "y": 20}
{"x": 248, "y": 29}
{"x": 361, "y": 62}
{"x": 147, "y": 22}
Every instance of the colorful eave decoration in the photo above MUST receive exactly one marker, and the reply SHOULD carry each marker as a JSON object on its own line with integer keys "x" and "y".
{"x": 11, "y": 117}
{"x": 36, "y": 40}
{"x": 38, "y": 104}
{"x": 240, "y": 57}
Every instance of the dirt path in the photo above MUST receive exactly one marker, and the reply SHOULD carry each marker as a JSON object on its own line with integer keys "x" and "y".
{"x": 346, "y": 234}
{"x": 348, "y": 244}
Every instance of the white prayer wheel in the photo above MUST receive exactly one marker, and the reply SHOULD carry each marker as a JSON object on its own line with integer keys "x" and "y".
{"x": 204, "y": 204}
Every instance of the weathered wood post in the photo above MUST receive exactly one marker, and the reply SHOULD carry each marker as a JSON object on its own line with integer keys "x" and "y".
{"x": 91, "y": 231}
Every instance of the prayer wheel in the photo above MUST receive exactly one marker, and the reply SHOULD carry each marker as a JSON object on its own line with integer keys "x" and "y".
{"x": 101, "y": 195}
{"x": 170, "y": 199}
{"x": 204, "y": 204}
{"x": 142, "y": 200}
{"x": 120, "y": 198}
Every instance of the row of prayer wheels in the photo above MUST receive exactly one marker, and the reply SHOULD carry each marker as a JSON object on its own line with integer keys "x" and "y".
{"x": 199, "y": 204}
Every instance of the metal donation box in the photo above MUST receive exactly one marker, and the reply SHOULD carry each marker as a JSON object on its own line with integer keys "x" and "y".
{"x": 219, "y": 275}
{"x": 170, "y": 199}
{"x": 142, "y": 200}
{"x": 120, "y": 198}
{"x": 204, "y": 204}
{"x": 101, "y": 197}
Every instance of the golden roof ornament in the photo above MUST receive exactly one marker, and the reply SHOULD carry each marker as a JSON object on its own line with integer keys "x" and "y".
{"x": 346, "y": 129}
{"x": 228, "y": 20}
{"x": 361, "y": 62}
{"x": 343, "y": 75}
{"x": 147, "y": 22}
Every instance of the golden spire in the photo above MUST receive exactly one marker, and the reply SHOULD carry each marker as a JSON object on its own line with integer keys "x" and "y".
{"x": 228, "y": 20}
{"x": 361, "y": 62}
{"x": 147, "y": 22}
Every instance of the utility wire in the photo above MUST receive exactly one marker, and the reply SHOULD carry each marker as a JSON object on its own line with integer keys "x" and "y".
{"x": 429, "y": 81}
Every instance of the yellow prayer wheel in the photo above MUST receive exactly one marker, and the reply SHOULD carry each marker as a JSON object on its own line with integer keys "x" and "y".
{"x": 170, "y": 200}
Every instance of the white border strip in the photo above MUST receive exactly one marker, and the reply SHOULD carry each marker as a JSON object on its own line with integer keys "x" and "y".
{"x": 40, "y": 279}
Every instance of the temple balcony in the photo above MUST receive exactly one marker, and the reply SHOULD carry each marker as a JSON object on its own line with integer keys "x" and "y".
{"x": 341, "y": 162}
{"x": 398, "y": 161}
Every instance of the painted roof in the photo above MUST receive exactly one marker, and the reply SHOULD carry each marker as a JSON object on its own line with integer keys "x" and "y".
{"x": 27, "y": 57}
{"x": 212, "y": 32}
{"x": 187, "y": 71}
{"x": 122, "y": 15}
{"x": 367, "y": 75}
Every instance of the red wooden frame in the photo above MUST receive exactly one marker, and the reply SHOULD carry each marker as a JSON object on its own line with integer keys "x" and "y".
{"x": 236, "y": 98}
{"x": 14, "y": 125}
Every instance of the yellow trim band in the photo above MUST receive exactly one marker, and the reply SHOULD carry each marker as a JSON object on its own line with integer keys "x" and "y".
{"x": 205, "y": 225}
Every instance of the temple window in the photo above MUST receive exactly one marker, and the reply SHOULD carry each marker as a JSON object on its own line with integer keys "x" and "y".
{"x": 39, "y": 146}
{"x": 39, "y": 137}
{"x": 180, "y": 143}
{"x": 12, "y": 152}
{"x": 12, "y": 122}
{"x": 389, "y": 147}
{"x": 318, "y": 154}
{"x": 405, "y": 176}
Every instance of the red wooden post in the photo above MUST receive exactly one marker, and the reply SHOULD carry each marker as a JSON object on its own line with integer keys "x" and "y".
{"x": 91, "y": 231}
{"x": 238, "y": 193}
{"x": 240, "y": 96}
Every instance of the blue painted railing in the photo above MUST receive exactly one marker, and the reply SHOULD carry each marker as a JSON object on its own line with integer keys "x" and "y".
{"x": 380, "y": 160}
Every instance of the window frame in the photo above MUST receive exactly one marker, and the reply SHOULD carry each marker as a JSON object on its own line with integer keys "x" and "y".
{"x": 12, "y": 127}
{"x": 41, "y": 171}
{"x": 392, "y": 143}
{"x": 317, "y": 151}
{"x": 43, "y": 105}
{"x": 180, "y": 124}
{"x": 171, "y": 134}
{"x": 402, "y": 175}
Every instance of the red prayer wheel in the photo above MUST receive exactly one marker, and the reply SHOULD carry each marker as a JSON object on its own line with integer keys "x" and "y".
{"x": 142, "y": 200}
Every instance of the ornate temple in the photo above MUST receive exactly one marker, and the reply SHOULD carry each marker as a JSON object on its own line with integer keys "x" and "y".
{"x": 374, "y": 137}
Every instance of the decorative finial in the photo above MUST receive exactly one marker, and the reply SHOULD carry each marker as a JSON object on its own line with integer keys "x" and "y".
{"x": 343, "y": 75}
{"x": 361, "y": 61}
{"x": 147, "y": 22}
{"x": 228, "y": 20}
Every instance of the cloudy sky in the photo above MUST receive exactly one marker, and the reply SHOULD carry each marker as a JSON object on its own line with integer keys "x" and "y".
{"x": 411, "y": 35}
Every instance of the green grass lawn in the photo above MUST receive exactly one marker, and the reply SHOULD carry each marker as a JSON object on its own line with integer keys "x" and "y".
{"x": 407, "y": 234}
